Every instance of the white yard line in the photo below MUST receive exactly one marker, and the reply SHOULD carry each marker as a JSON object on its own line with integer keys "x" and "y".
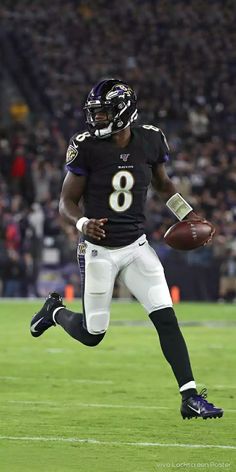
{"x": 60, "y": 379}
{"x": 88, "y": 405}
{"x": 225, "y": 386}
{"x": 112, "y": 443}
{"x": 91, "y": 381}
{"x": 95, "y": 405}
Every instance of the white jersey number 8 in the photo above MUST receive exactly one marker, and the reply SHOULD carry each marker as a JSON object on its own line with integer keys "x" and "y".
{"x": 121, "y": 199}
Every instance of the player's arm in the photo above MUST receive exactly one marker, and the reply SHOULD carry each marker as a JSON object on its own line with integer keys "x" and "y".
{"x": 72, "y": 190}
{"x": 168, "y": 192}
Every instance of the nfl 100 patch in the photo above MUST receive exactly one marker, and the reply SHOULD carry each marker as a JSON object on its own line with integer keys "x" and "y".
{"x": 124, "y": 157}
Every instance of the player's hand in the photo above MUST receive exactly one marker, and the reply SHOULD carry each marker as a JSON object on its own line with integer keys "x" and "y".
{"x": 194, "y": 217}
{"x": 211, "y": 235}
{"x": 94, "y": 228}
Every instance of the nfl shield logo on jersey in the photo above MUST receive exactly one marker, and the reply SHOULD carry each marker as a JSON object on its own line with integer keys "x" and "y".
{"x": 94, "y": 253}
{"x": 124, "y": 157}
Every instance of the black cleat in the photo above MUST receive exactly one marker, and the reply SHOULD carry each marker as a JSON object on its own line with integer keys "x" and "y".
{"x": 43, "y": 319}
{"x": 197, "y": 406}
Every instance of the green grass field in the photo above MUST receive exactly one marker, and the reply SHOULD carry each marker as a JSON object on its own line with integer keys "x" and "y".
{"x": 65, "y": 407}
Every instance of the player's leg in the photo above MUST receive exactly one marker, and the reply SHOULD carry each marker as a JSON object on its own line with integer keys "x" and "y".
{"x": 73, "y": 323}
{"x": 146, "y": 280}
{"x": 98, "y": 275}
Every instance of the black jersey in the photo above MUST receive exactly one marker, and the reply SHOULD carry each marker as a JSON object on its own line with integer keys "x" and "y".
{"x": 117, "y": 179}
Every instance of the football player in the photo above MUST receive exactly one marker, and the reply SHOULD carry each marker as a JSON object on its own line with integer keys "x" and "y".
{"x": 110, "y": 167}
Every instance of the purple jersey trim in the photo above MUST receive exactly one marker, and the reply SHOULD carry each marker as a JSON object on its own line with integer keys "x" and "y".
{"x": 166, "y": 158}
{"x": 76, "y": 170}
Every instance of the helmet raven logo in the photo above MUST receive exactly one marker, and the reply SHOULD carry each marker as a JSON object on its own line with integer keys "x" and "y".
{"x": 118, "y": 90}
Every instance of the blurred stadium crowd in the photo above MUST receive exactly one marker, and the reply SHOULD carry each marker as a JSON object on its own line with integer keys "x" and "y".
{"x": 180, "y": 57}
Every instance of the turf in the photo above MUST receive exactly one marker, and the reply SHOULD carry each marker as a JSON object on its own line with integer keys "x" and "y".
{"x": 121, "y": 393}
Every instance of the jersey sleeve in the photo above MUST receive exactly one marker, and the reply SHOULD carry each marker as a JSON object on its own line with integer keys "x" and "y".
{"x": 76, "y": 158}
{"x": 158, "y": 146}
{"x": 163, "y": 149}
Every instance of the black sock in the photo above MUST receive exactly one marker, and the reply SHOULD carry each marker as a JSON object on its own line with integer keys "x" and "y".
{"x": 188, "y": 393}
{"x": 173, "y": 344}
{"x": 73, "y": 324}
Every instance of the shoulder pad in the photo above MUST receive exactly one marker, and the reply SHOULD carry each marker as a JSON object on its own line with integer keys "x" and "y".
{"x": 79, "y": 138}
{"x": 153, "y": 128}
{"x": 159, "y": 131}
{"x": 73, "y": 148}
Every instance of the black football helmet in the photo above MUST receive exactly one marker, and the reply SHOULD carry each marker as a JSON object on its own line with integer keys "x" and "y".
{"x": 117, "y": 100}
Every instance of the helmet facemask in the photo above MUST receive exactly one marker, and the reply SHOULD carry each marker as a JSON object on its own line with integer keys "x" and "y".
{"x": 99, "y": 128}
{"x": 117, "y": 101}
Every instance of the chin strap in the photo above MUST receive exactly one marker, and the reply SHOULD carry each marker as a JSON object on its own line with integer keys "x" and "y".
{"x": 104, "y": 132}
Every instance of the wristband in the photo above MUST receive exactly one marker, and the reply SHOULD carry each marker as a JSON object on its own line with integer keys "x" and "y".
{"x": 80, "y": 223}
{"x": 178, "y": 206}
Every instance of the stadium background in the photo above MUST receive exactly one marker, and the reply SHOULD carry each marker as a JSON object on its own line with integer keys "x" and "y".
{"x": 65, "y": 407}
{"x": 181, "y": 59}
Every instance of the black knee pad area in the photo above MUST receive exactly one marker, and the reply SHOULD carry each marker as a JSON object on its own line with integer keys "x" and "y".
{"x": 91, "y": 340}
{"x": 164, "y": 320}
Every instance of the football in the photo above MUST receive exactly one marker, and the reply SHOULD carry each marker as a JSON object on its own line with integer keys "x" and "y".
{"x": 189, "y": 234}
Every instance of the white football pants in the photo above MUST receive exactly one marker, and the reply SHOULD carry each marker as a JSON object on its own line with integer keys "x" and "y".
{"x": 140, "y": 269}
